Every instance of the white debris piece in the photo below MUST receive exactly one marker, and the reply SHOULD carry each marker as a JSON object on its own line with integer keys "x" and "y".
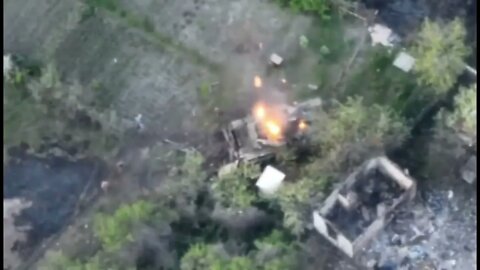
{"x": 7, "y": 65}
{"x": 469, "y": 170}
{"x": 312, "y": 86}
{"x": 381, "y": 34}
{"x": 276, "y": 59}
{"x": 404, "y": 61}
{"x": 270, "y": 180}
{"x": 138, "y": 121}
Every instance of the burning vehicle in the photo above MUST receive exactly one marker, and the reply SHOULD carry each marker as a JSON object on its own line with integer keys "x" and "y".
{"x": 269, "y": 125}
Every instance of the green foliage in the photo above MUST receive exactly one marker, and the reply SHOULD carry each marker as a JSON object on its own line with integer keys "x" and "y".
{"x": 323, "y": 8}
{"x": 115, "y": 230}
{"x": 203, "y": 257}
{"x": 276, "y": 252}
{"x": 233, "y": 190}
{"x": 439, "y": 53}
{"x": 378, "y": 81}
{"x": 45, "y": 107}
{"x": 213, "y": 257}
{"x": 354, "y": 127}
{"x": 58, "y": 261}
{"x": 464, "y": 116}
{"x": 328, "y": 40}
{"x": 295, "y": 200}
{"x": 239, "y": 263}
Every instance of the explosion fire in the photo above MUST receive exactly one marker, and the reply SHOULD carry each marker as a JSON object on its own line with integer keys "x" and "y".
{"x": 273, "y": 121}
{"x": 268, "y": 117}
{"x": 269, "y": 121}
{"x": 302, "y": 125}
{"x": 257, "y": 82}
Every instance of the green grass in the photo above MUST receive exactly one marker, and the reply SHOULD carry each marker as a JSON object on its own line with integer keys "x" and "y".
{"x": 378, "y": 81}
{"x": 329, "y": 34}
{"x": 321, "y": 61}
{"x": 145, "y": 24}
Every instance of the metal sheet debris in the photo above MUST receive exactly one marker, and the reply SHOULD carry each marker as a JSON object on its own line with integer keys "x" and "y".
{"x": 270, "y": 180}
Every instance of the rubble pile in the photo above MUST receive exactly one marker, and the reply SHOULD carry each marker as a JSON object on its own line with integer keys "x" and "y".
{"x": 374, "y": 194}
{"x": 427, "y": 234}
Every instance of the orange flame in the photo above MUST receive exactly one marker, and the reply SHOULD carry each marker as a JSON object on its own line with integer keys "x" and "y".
{"x": 302, "y": 125}
{"x": 257, "y": 82}
{"x": 259, "y": 112}
{"x": 269, "y": 121}
{"x": 273, "y": 129}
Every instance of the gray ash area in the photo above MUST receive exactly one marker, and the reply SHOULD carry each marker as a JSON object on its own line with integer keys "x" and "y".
{"x": 54, "y": 187}
{"x": 374, "y": 190}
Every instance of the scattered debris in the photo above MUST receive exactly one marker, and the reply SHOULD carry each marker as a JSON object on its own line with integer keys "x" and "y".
{"x": 450, "y": 195}
{"x": 359, "y": 209}
{"x": 472, "y": 70}
{"x": 7, "y": 65}
{"x": 404, "y": 61}
{"x": 105, "y": 185}
{"x": 469, "y": 170}
{"x": 276, "y": 59}
{"x": 383, "y": 35}
{"x": 270, "y": 180}
{"x": 138, "y": 121}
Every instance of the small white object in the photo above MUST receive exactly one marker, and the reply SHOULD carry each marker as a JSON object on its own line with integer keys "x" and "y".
{"x": 104, "y": 185}
{"x": 312, "y": 86}
{"x": 115, "y": 60}
{"x": 450, "y": 194}
{"x": 381, "y": 34}
{"x": 270, "y": 180}
{"x": 138, "y": 120}
{"x": 276, "y": 59}
{"x": 7, "y": 65}
{"x": 284, "y": 80}
{"x": 404, "y": 61}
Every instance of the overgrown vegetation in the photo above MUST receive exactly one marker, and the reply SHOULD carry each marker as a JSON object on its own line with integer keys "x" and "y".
{"x": 233, "y": 190}
{"x": 440, "y": 51}
{"x": 115, "y": 230}
{"x": 320, "y": 7}
{"x": 379, "y": 82}
{"x": 180, "y": 213}
{"x": 463, "y": 118}
{"x": 354, "y": 130}
{"x": 42, "y": 106}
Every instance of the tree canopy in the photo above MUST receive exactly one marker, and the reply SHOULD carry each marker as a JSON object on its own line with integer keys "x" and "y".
{"x": 440, "y": 51}
{"x": 463, "y": 118}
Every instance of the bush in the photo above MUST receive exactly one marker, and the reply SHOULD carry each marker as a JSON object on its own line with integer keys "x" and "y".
{"x": 463, "y": 118}
{"x": 213, "y": 257}
{"x": 115, "y": 230}
{"x": 233, "y": 190}
{"x": 203, "y": 257}
{"x": 439, "y": 51}
{"x": 295, "y": 200}
{"x": 354, "y": 129}
{"x": 321, "y": 7}
{"x": 58, "y": 261}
